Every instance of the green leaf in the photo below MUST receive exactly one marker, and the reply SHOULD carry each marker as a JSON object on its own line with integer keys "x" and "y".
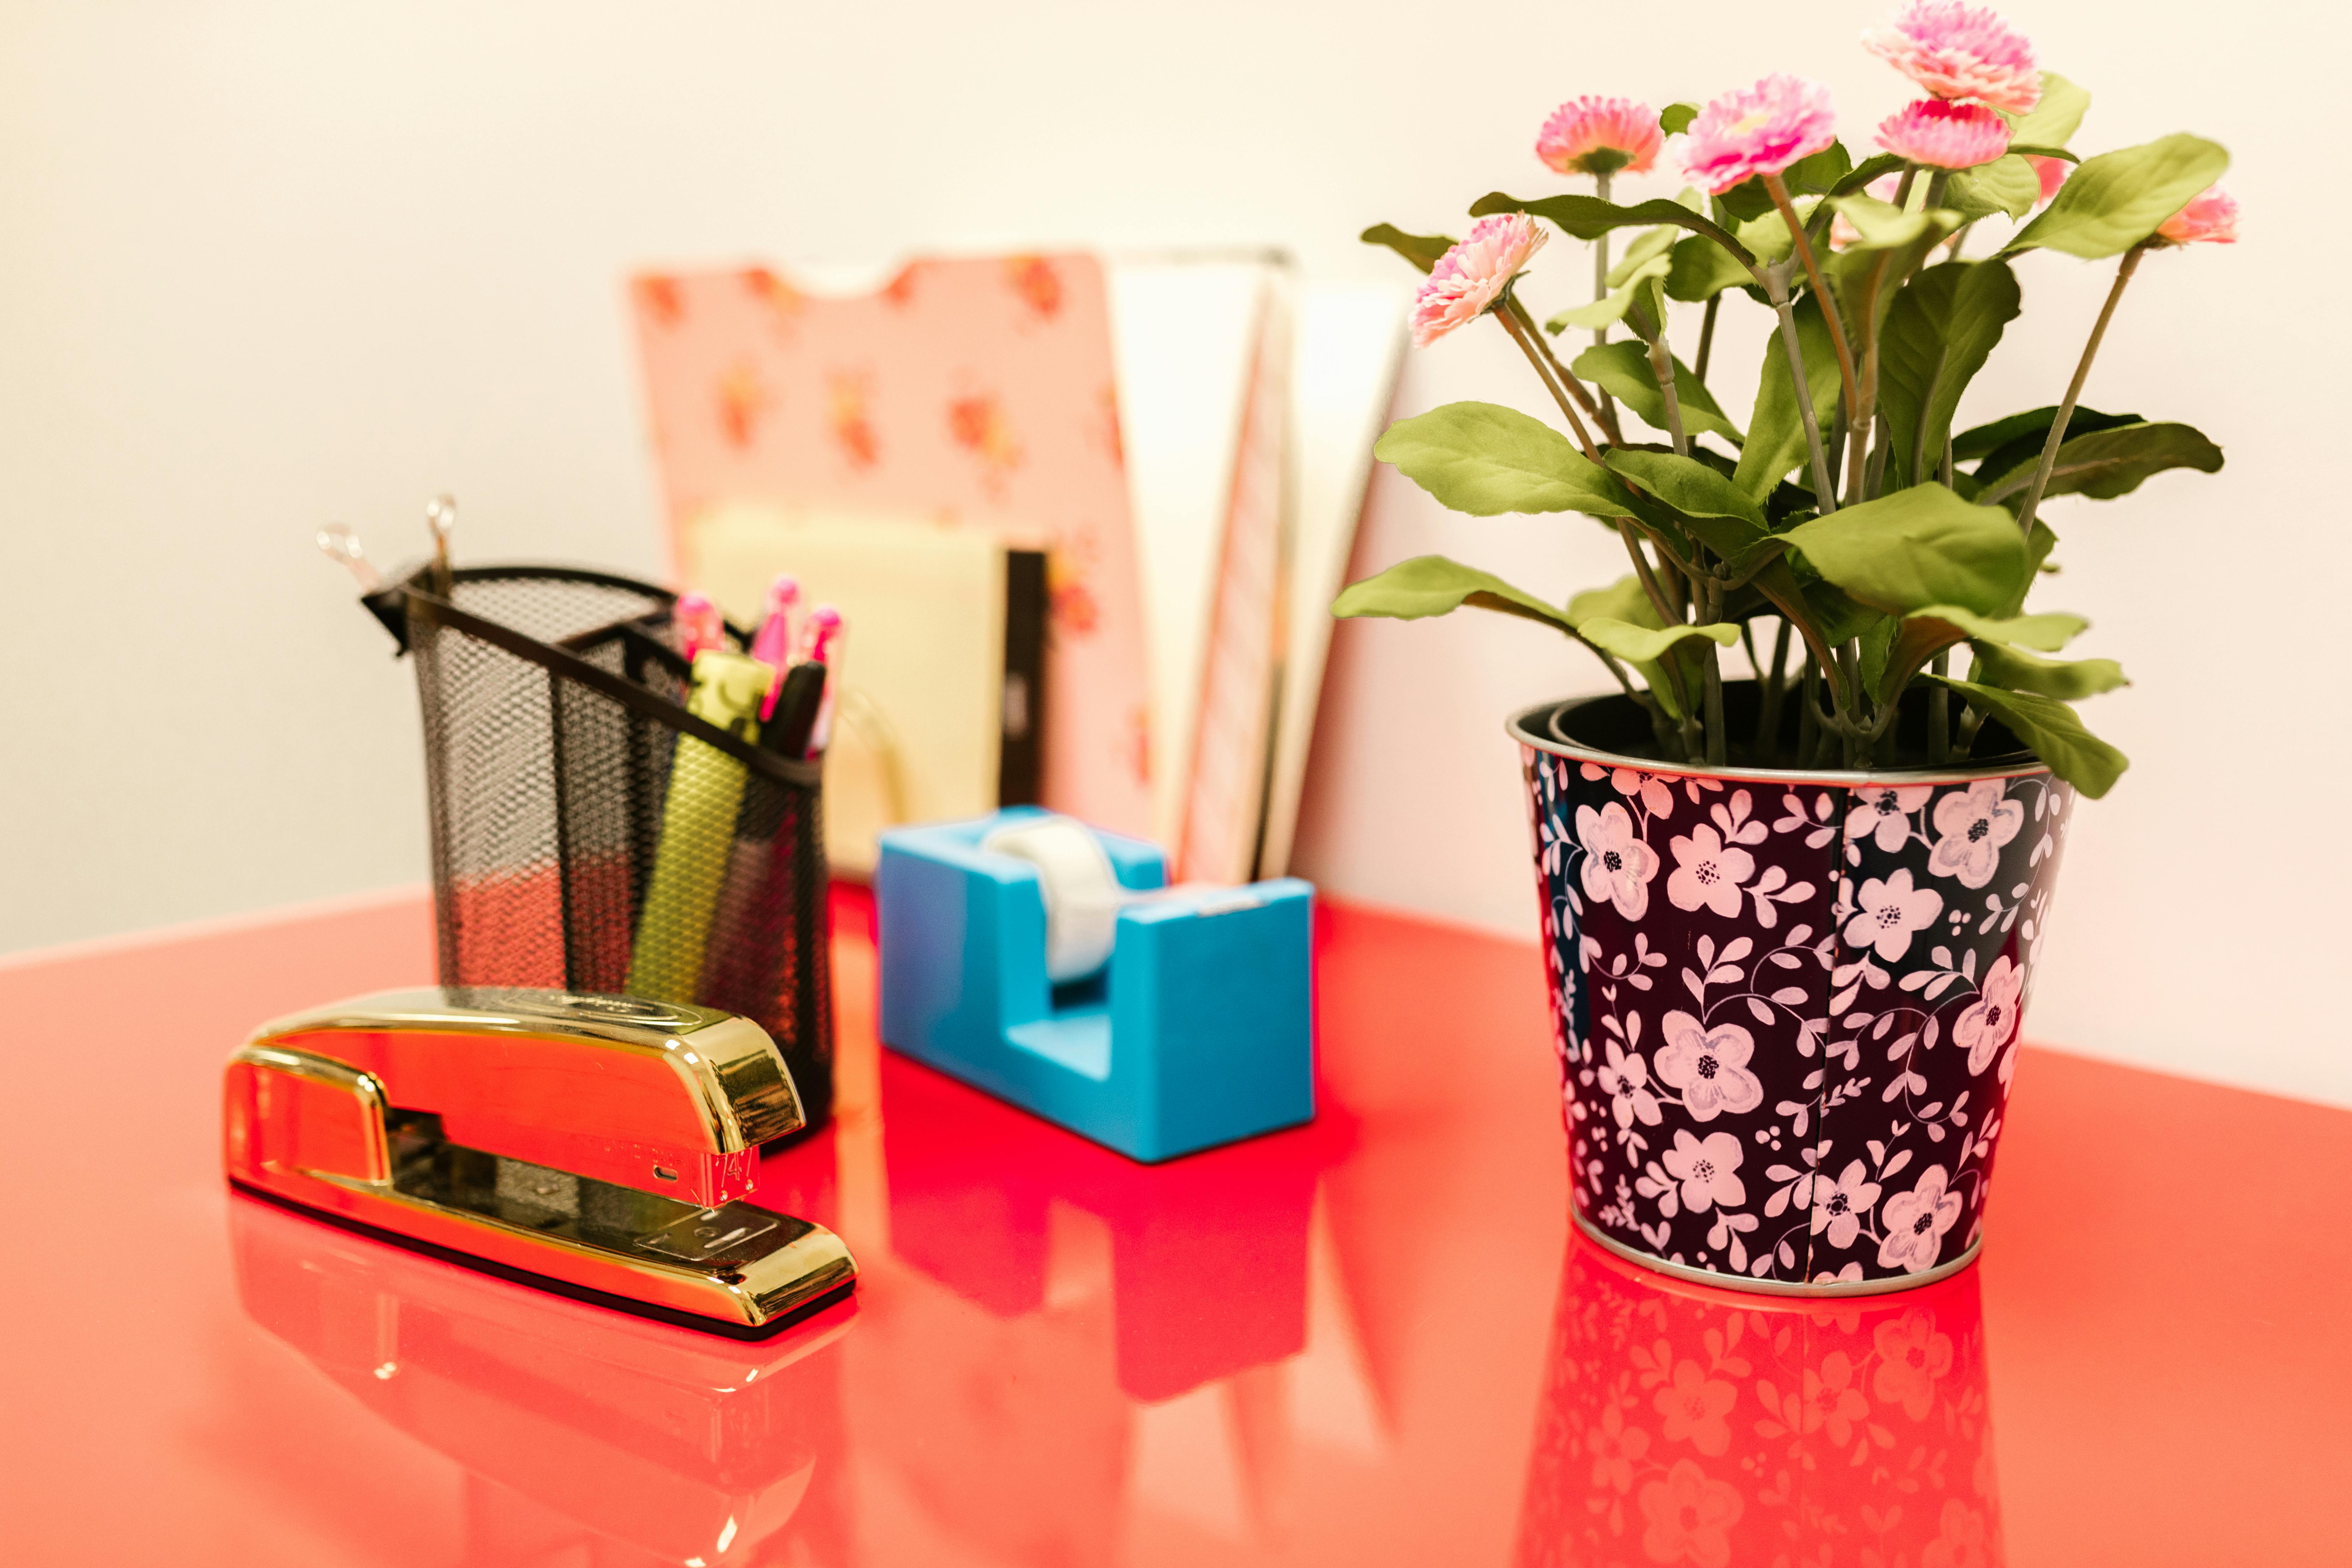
{"x": 1624, "y": 369}
{"x": 1940, "y": 330}
{"x": 2105, "y": 464}
{"x": 1482, "y": 458}
{"x": 1692, "y": 489}
{"x": 1675, "y": 118}
{"x": 1861, "y": 173}
{"x": 2004, "y": 441}
{"x": 2066, "y": 680}
{"x": 1650, "y": 247}
{"x": 1776, "y": 431}
{"x": 2117, "y": 199}
{"x": 2054, "y": 730}
{"x": 1433, "y": 586}
{"x": 1703, "y": 269}
{"x": 1882, "y": 226}
{"x": 1838, "y": 617}
{"x": 2053, "y": 121}
{"x": 1918, "y": 547}
{"x": 2049, "y": 631}
{"x": 1646, "y": 645}
{"x": 2007, "y": 184}
{"x": 1624, "y": 600}
{"x": 2036, "y": 149}
{"x": 1421, "y": 249}
{"x": 1590, "y": 217}
{"x": 1611, "y": 307}
{"x": 1768, "y": 236}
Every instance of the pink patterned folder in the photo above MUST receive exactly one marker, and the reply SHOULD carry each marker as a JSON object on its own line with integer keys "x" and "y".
{"x": 977, "y": 392}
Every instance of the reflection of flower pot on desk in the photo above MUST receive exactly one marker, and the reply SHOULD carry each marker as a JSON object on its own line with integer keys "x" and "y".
{"x": 1680, "y": 1422}
{"x": 564, "y": 1417}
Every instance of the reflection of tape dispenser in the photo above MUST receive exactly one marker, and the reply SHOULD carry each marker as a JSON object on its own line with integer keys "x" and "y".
{"x": 1044, "y": 961}
{"x": 596, "y": 1145}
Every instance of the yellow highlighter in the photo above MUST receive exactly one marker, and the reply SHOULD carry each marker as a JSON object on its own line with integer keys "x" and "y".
{"x": 706, "y": 791}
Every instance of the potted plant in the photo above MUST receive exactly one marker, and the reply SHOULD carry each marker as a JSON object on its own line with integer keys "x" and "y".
{"x": 1791, "y": 918}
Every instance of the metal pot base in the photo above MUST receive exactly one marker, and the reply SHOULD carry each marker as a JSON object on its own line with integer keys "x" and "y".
{"x": 1752, "y": 1287}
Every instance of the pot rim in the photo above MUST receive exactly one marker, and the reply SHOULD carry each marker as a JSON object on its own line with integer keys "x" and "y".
{"x": 1519, "y": 726}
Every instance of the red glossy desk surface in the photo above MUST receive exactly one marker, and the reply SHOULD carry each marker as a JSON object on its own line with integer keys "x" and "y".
{"x": 1364, "y": 1343}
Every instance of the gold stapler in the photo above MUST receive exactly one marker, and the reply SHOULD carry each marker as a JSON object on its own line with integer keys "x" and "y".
{"x": 599, "y": 1146}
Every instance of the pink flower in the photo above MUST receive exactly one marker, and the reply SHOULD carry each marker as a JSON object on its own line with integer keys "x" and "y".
{"x": 1706, "y": 873}
{"x": 1617, "y": 865}
{"x": 1710, "y": 1067}
{"x": 1911, "y": 1356}
{"x": 2051, "y": 172}
{"x": 1626, "y": 1082}
{"x": 1884, "y": 815}
{"x": 1469, "y": 278}
{"x": 1831, "y": 1399}
{"x": 1991, "y": 1018}
{"x": 1944, "y": 135}
{"x": 1974, "y": 824}
{"x": 1960, "y": 51}
{"x": 1689, "y": 1516}
{"x": 1600, "y": 136}
{"x": 1757, "y": 131}
{"x": 1694, "y": 1405}
{"x": 2210, "y": 215}
{"x": 1915, "y": 1223}
{"x": 1707, "y": 1171}
{"x": 1839, "y": 1209}
{"x": 1888, "y": 912}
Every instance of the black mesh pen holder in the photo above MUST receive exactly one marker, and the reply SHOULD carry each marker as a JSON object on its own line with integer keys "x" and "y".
{"x": 589, "y": 833}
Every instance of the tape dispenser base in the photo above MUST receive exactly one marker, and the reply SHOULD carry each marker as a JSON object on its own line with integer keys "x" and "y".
{"x": 1197, "y": 1029}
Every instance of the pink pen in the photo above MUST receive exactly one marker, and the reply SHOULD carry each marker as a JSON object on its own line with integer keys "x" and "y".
{"x": 820, "y": 642}
{"x": 698, "y": 625}
{"x": 773, "y": 645}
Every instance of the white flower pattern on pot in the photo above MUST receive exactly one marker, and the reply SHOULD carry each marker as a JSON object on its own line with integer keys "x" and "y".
{"x": 1972, "y": 827}
{"x": 1707, "y": 1170}
{"x": 1992, "y": 1019}
{"x": 1708, "y": 1065}
{"x": 1914, "y": 1223}
{"x": 1884, "y": 815}
{"x": 1838, "y": 1210}
{"x": 1708, "y": 873}
{"x": 1626, "y": 1082}
{"x": 1617, "y": 865}
{"x": 1888, "y": 911}
{"x": 1825, "y": 1042}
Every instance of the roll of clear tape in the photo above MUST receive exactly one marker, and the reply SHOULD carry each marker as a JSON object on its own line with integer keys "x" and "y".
{"x": 1081, "y": 892}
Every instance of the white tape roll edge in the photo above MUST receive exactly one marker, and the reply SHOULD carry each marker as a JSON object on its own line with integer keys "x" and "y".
{"x": 1081, "y": 892}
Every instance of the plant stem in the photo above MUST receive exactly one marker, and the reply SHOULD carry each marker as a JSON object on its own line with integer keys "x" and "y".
{"x": 1776, "y": 288}
{"x": 2074, "y": 390}
{"x": 1768, "y": 711}
{"x": 1939, "y": 712}
{"x": 1706, "y": 335}
{"x": 1780, "y": 194}
{"x": 1519, "y": 332}
{"x": 1809, "y": 717}
{"x": 1601, "y": 278}
{"x": 1948, "y": 459}
{"x": 1709, "y": 610}
{"x": 1836, "y": 447}
{"x": 1662, "y": 366}
{"x": 1876, "y": 477}
{"x": 1604, "y": 417}
{"x": 1642, "y": 570}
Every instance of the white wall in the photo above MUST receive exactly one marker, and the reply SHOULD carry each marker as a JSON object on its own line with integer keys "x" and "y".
{"x": 265, "y": 265}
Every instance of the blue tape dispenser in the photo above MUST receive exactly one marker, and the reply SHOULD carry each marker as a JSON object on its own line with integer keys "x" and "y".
{"x": 1046, "y": 962}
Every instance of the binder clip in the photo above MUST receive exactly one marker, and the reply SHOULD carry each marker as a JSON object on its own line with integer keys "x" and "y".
{"x": 1046, "y": 962}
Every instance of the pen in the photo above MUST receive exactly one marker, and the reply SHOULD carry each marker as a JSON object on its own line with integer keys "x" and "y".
{"x": 821, "y": 643}
{"x": 441, "y": 521}
{"x": 706, "y": 792}
{"x": 756, "y": 943}
{"x": 698, "y": 624}
{"x": 342, "y": 546}
{"x": 773, "y": 645}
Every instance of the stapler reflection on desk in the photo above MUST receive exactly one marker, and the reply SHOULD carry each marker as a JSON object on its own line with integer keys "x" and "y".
{"x": 599, "y": 1145}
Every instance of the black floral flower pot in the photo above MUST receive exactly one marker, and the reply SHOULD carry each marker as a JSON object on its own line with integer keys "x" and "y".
{"x": 1786, "y": 1004}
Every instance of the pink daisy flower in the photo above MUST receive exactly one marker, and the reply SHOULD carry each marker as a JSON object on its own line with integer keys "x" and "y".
{"x": 1944, "y": 135}
{"x": 1469, "y": 278}
{"x": 1757, "y": 131}
{"x": 1601, "y": 136}
{"x": 1958, "y": 51}
{"x": 2210, "y": 215}
{"x": 2051, "y": 172}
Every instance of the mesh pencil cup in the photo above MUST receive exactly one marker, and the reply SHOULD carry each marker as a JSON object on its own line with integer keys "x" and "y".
{"x": 593, "y": 832}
